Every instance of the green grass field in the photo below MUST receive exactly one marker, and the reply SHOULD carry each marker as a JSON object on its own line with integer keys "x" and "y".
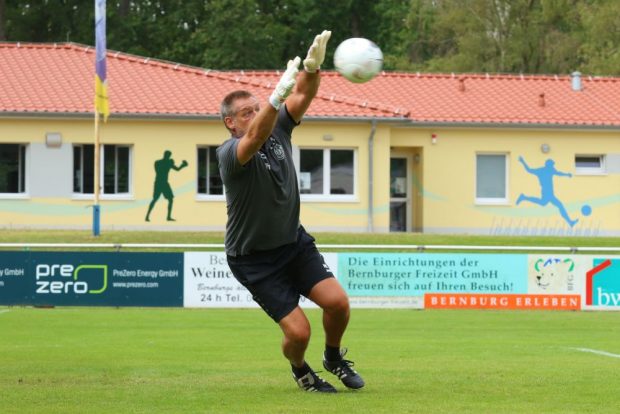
{"x": 120, "y": 237}
{"x": 138, "y": 360}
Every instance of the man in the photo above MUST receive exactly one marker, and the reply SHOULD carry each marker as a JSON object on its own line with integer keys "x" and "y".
{"x": 162, "y": 186}
{"x": 268, "y": 251}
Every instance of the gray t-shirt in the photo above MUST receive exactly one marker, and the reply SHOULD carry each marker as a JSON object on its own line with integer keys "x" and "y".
{"x": 262, "y": 196}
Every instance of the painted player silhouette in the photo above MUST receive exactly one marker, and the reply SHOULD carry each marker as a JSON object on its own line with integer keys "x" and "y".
{"x": 547, "y": 195}
{"x": 161, "y": 186}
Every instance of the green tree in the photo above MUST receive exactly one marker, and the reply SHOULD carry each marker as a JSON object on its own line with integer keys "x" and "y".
{"x": 527, "y": 36}
{"x": 563, "y": 36}
{"x": 241, "y": 34}
{"x": 161, "y": 29}
{"x": 599, "y": 51}
{"x": 50, "y": 21}
{"x": 265, "y": 34}
{"x": 2, "y": 20}
{"x": 401, "y": 33}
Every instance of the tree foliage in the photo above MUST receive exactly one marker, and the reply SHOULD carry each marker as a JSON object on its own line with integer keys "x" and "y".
{"x": 506, "y": 36}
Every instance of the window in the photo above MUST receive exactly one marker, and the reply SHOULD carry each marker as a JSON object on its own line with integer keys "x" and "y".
{"x": 83, "y": 169}
{"x": 12, "y": 168}
{"x": 590, "y": 164}
{"x": 116, "y": 171}
{"x": 327, "y": 172}
{"x": 209, "y": 180}
{"x": 311, "y": 171}
{"x": 491, "y": 179}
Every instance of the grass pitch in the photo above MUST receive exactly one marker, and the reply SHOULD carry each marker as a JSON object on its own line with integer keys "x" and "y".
{"x": 140, "y": 360}
{"x": 173, "y": 237}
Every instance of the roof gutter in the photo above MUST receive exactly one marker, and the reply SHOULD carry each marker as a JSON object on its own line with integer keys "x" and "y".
{"x": 113, "y": 116}
{"x": 400, "y": 122}
{"x": 372, "y": 119}
{"x": 511, "y": 125}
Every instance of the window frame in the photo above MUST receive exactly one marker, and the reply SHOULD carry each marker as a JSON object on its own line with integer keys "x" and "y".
{"x": 102, "y": 194}
{"x": 116, "y": 194}
{"x": 73, "y": 169}
{"x": 600, "y": 170}
{"x": 326, "y": 196}
{"x": 486, "y": 201}
{"x": 204, "y": 196}
{"x": 23, "y": 161}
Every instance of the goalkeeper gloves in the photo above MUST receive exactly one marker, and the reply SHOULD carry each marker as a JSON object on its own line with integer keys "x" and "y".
{"x": 286, "y": 83}
{"x": 316, "y": 53}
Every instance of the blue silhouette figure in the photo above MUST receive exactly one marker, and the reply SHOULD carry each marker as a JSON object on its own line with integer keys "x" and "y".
{"x": 545, "y": 178}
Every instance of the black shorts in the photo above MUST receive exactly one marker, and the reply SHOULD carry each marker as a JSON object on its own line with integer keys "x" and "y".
{"x": 276, "y": 278}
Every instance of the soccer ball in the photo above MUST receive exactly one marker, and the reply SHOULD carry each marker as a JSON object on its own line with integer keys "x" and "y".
{"x": 358, "y": 59}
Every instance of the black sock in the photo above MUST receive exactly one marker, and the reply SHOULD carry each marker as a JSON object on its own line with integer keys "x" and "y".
{"x": 332, "y": 353}
{"x": 300, "y": 372}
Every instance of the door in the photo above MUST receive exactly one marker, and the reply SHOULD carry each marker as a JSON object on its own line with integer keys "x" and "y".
{"x": 400, "y": 192}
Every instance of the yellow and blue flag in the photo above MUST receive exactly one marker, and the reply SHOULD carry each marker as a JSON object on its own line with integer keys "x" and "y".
{"x": 101, "y": 83}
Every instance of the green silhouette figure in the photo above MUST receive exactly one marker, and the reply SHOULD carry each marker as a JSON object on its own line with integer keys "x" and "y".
{"x": 162, "y": 169}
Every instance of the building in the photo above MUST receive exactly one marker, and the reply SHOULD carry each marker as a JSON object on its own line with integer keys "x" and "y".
{"x": 450, "y": 153}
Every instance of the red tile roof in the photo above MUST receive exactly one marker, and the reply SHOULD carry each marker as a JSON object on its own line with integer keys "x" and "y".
{"x": 59, "y": 78}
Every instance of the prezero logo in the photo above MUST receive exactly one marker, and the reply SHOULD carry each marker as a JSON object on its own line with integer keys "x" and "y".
{"x": 606, "y": 290}
{"x": 58, "y": 279}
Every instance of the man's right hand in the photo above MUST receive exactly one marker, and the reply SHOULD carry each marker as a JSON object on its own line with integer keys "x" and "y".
{"x": 286, "y": 83}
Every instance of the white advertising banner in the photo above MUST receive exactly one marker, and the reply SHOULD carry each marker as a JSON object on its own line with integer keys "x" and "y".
{"x": 595, "y": 278}
{"x": 412, "y": 280}
{"x": 209, "y": 283}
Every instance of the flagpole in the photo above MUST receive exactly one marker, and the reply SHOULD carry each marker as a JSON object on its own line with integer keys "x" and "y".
{"x": 96, "y": 211}
{"x": 101, "y": 99}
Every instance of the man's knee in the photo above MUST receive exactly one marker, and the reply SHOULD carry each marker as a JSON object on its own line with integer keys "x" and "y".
{"x": 337, "y": 304}
{"x": 330, "y": 296}
{"x": 299, "y": 333}
{"x": 296, "y": 327}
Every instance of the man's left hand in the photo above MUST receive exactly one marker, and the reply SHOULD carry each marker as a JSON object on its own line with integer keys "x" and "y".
{"x": 316, "y": 53}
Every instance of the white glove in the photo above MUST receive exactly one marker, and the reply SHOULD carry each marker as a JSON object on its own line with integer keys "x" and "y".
{"x": 286, "y": 83}
{"x": 316, "y": 53}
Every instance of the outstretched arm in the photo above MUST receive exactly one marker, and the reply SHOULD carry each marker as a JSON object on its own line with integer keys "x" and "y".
{"x": 309, "y": 80}
{"x": 527, "y": 167}
{"x": 258, "y": 132}
{"x": 180, "y": 167}
{"x": 261, "y": 126}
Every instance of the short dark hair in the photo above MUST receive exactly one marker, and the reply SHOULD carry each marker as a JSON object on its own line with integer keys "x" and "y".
{"x": 227, "y": 103}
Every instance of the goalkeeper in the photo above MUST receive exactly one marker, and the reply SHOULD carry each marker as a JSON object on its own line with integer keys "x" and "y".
{"x": 268, "y": 250}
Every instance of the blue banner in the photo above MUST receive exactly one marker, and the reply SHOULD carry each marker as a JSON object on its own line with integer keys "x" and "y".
{"x": 413, "y": 274}
{"x": 91, "y": 279}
